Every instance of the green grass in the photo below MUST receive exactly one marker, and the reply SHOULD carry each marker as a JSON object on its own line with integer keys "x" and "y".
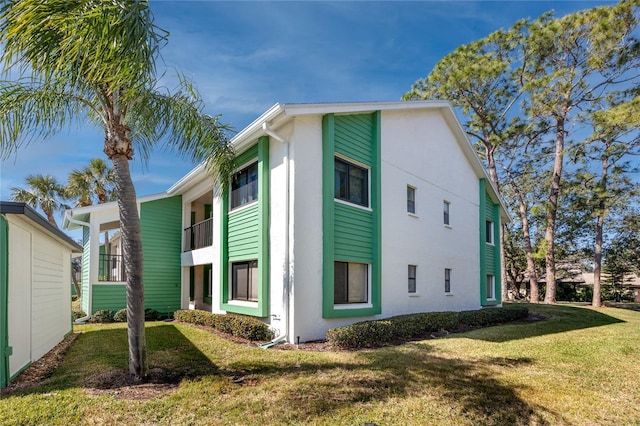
{"x": 579, "y": 366}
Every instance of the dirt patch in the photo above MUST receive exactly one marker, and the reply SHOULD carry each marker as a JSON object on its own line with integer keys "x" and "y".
{"x": 42, "y": 369}
{"x": 120, "y": 384}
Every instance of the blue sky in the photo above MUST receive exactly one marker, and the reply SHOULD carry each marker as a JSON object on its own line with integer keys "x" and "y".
{"x": 246, "y": 56}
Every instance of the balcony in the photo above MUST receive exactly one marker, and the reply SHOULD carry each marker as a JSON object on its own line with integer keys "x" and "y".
{"x": 199, "y": 235}
{"x": 111, "y": 268}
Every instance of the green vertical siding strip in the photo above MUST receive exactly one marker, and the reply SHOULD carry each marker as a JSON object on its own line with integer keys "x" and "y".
{"x": 328, "y": 254}
{"x": 101, "y": 272}
{"x": 4, "y": 302}
{"x": 111, "y": 297}
{"x": 245, "y": 234}
{"x": 350, "y": 233}
{"x": 483, "y": 241}
{"x": 497, "y": 263}
{"x": 86, "y": 268}
{"x": 161, "y": 226}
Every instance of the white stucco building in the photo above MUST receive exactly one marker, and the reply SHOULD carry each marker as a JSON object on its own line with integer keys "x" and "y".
{"x": 341, "y": 213}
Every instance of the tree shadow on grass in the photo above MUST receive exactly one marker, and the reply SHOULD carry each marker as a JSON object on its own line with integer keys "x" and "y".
{"x": 99, "y": 359}
{"x": 468, "y": 388}
{"x": 544, "y": 320}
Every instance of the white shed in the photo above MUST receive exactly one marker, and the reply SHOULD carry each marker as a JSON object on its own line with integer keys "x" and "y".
{"x": 35, "y": 289}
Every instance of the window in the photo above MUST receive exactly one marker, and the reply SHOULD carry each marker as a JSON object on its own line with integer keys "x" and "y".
{"x": 351, "y": 283}
{"x": 491, "y": 287}
{"x": 447, "y": 280}
{"x": 445, "y": 206}
{"x": 411, "y": 199}
{"x": 244, "y": 276}
{"x": 351, "y": 183}
{"x": 412, "y": 278}
{"x": 206, "y": 283}
{"x": 244, "y": 186}
{"x": 489, "y": 231}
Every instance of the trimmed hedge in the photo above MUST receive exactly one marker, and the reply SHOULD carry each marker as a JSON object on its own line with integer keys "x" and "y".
{"x": 103, "y": 316}
{"x": 236, "y": 325}
{"x": 120, "y": 315}
{"x": 369, "y": 334}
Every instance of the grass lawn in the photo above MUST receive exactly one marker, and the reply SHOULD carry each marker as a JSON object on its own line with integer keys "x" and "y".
{"x": 578, "y": 367}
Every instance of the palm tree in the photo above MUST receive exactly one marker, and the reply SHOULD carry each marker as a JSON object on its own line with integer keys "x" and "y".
{"x": 95, "y": 61}
{"x": 42, "y": 192}
{"x": 97, "y": 179}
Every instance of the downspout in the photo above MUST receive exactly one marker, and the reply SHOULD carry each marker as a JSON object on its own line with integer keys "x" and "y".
{"x": 283, "y": 336}
{"x": 89, "y": 286}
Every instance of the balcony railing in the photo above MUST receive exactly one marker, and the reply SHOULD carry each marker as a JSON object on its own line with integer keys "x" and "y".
{"x": 111, "y": 268}
{"x": 199, "y": 235}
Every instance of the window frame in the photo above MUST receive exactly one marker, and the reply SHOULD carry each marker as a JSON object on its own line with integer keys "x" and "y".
{"x": 446, "y": 213}
{"x": 490, "y": 285}
{"x": 367, "y": 183}
{"x": 367, "y": 284}
{"x": 240, "y": 171}
{"x": 234, "y": 281}
{"x": 489, "y": 230}
{"x": 412, "y": 281}
{"x": 447, "y": 280}
{"x": 411, "y": 199}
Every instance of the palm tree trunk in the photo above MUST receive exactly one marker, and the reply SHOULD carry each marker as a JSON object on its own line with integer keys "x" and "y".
{"x": 133, "y": 258}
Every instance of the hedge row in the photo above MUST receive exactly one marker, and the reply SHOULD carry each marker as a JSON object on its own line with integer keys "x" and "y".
{"x": 106, "y": 316}
{"x": 236, "y": 325}
{"x": 376, "y": 333}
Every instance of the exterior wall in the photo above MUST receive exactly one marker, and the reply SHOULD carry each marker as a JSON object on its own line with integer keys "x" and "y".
{"x": 86, "y": 268}
{"x": 417, "y": 149}
{"x": 245, "y": 235}
{"x": 5, "y": 352}
{"x": 39, "y": 297}
{"x": 489, "y": 253}
{"x": 160, "y": 222}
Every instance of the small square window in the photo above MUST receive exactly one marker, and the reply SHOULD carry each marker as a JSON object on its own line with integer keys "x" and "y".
{"x": 447, "y": 280}
{"x": 491, "y": 287}
{"x": 411, "y": 199}
{"x": 351, "y": 283}
{"x": 489, "y": 232}
{"x": 446, "y": 205}
{"x": 412, "y": 278}
{"x": 351, "y": 183}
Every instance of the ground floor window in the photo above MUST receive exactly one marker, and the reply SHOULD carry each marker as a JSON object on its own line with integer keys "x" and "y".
{"x": 351, "y": 283}
{"x": 207, "y": 282}
{"x": 447, "y": 280}
{"x": 412, "y": 278}
{"x": 244, "y": 281}
{"x": 491, "y": 287}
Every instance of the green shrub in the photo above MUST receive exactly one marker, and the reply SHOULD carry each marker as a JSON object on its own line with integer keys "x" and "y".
{"x": 120, "y": 316}
{"x": 376, "y": 333}
{"x": 236, "y": 325}
{"x": 152, "y": 315}
{"x": 103, "y": 315}
{"x": 78, "y": 314}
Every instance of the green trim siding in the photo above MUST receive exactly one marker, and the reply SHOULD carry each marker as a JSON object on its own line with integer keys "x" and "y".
{"x": 5, "y": 350}
{"x": 245, "y": 234}
{"x": 111, "y": 297}
{"x": 161, "y": 227}
{"x": 489, "y": 254}
{"x": 350, "y": 233}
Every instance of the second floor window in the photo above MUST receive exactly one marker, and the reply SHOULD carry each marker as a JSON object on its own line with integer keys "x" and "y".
{"x": 411, "y": 199}
{"x": 351, "y": 183}
{"x": 244, "y": 186}
{"x": 445, "y": 206}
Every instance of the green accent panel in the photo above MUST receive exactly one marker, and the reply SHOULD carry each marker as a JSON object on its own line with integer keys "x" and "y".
{"x": 350, "y": 233}
{"x": 353, "y": 239}
{"x": 161, "y": 225}
{"x": 489, "y": 254}
{"x": 207, "y": 211}
{"x": 354, "y": 137}
{"x": 243, "y": 237}
{"x": 86, "y": 265}
{"x": 192, "y": 279}
{"x": 108, "y": 296}
{"x": 245, "y": 234}
{"x": 5, "y": 351}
